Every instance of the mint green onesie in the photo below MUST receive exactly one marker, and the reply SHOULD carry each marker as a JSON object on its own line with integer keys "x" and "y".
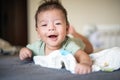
{"x": 72, "y": 45}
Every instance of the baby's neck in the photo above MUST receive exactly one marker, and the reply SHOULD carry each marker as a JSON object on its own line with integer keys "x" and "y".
{"x": 48, "y": 50}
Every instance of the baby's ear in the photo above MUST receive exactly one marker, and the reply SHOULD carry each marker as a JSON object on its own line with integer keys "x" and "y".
{"x": 67, "y": 29}
{"x": 37, "y": 32}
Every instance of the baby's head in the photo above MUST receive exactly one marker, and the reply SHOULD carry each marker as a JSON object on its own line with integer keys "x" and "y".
{"x": 50, "y": 5}
{"x": 52, "y": 23}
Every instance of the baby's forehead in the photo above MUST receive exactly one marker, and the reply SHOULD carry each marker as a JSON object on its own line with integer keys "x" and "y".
{"x": 52, "y": 12}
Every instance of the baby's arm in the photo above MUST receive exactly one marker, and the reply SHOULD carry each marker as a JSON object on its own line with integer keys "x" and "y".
{"x": 25, "y": 53}
{"x": 89, "y": 48}
{"x": 84, "y": 63}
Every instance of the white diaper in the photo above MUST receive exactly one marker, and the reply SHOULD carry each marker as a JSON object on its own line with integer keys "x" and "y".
{"x": 56, "y": 59}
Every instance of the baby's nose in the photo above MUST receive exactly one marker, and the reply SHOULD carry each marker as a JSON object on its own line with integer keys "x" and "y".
{"x": 51, "y": 28}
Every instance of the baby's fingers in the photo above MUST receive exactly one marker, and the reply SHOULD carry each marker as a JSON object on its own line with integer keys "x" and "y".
{"x": 25, "y": 53}
{"x": 22, "y": 56}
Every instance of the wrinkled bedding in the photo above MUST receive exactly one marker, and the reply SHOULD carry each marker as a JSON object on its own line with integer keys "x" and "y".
{"x": 11, "y": 68}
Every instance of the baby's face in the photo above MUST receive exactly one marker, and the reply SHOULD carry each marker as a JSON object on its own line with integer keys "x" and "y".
{"x": 51, "y": 27}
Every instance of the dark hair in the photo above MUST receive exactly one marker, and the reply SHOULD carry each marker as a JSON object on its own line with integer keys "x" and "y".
{"x": 51, "y": 4}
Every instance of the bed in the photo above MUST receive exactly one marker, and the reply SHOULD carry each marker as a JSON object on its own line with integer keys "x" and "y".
{"x": 11, "y": 68}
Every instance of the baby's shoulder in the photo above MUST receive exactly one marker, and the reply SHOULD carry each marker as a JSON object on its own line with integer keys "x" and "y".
{"x": 36, "y": 43}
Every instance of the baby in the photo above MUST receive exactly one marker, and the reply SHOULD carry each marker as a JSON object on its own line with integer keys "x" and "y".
{"x": 52, "y": 27}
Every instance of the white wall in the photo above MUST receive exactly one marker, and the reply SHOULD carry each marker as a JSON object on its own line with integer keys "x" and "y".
{"x": 80, "y": 13}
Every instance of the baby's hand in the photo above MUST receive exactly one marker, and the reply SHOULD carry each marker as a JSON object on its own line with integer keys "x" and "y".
{"x": 82, "y": 68}
{"x": 25, "y": 53}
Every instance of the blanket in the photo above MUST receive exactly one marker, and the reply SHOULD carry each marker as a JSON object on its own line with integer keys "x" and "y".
{"x": 11, "y": 68}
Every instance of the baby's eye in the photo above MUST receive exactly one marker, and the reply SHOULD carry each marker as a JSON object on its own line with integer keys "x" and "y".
{"x": 58, "y": 23}
{"x": 43, "y": 25}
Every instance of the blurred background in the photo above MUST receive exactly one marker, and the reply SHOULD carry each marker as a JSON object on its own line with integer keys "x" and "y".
{"x": 17, "y": 23}
{"x": 13, "y": 21}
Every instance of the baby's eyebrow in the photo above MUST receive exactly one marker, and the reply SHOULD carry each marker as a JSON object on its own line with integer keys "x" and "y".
{"x": 59, "y": 19}
{"x": 42, "y": 21}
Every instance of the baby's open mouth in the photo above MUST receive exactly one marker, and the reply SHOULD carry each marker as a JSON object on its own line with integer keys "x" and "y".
{"x": 52, "y": 36}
